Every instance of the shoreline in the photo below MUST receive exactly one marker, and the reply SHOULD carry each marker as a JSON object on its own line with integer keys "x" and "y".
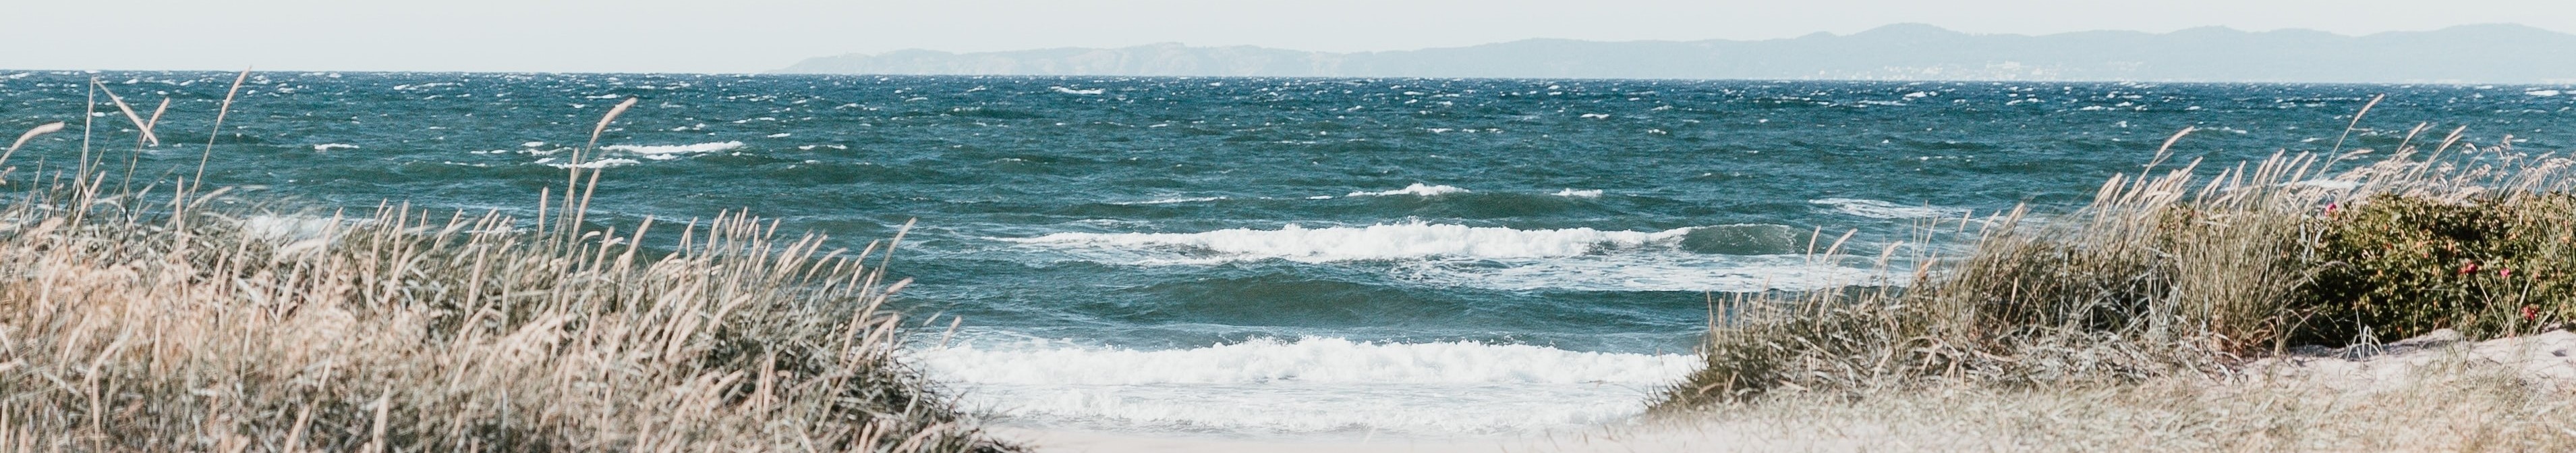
{"x": 1601, "y": 440}
{"x": 2403, "y": 396}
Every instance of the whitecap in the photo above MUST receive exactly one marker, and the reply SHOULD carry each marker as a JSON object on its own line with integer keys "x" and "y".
{"x": 1415, "y": 189}
{"x": 1170, "y": 200}
{"x": 1264, "y": 360}
{"x": 666, "y": 150}
{"x": 597, "y": 164}
{"x": 1886, "y": 210}
{"x": 1309, "y": 385}
{"x": 1652, "y": 272}
{"x": 333, "y": 146}
{"x": 2542, "y": 93}
{"x": 1373, "y": 242}
{"x": 409, "y": 87}
{"x": 1083, "y": 92}
{"x": 1726, "y": 258}
{"x": 1586, "y": 193}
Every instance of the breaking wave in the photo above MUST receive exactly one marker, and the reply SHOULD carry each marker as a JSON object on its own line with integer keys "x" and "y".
{"x": 1309, "y": 385}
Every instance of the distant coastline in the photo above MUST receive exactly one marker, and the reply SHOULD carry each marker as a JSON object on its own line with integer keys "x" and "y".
{"x": 2468, "y": 54}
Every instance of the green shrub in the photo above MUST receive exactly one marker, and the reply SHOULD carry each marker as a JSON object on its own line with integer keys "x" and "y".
{"x": 2396, "y": 266}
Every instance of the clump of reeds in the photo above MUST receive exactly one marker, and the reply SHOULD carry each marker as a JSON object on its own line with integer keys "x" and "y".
{"x": 2167, "y": 272}
{"x": 154, "y": 323}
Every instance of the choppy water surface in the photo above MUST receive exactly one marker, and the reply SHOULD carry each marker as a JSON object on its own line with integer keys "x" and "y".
{"x": 1271, "y": 256}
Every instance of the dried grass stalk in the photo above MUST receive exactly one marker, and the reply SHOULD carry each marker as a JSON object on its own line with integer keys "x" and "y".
{"x": 174, "y": 327}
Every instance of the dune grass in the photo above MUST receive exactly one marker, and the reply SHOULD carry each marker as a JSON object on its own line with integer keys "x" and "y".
{"x": 2176, "y": 272}
{"x": 144, "y": 319}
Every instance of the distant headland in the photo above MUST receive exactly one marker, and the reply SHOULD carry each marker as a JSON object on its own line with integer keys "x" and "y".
{"x": 2462, "y": 54}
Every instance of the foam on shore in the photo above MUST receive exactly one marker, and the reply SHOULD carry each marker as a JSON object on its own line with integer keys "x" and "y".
{"x": 1313, "y": 385}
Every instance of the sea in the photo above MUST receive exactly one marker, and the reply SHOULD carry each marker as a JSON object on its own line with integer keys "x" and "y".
{"x": 1267, "y": 256}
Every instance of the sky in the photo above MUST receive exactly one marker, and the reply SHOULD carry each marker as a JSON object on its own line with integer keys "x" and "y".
{"x": 759, "y": 35}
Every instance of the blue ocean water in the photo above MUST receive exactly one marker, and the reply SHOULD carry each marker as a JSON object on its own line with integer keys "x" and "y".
{"x": 1269, "y": 256}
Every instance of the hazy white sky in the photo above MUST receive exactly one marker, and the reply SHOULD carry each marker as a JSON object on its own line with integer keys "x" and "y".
{"x": 758, "y": 35}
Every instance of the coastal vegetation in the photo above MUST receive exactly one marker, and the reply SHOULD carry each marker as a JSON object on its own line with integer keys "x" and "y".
{"x": 2168, "y": 295}
{"x": 167, "y": 316}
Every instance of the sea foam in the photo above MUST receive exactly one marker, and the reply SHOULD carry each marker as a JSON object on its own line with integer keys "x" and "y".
{"x": 596, "y": 164}
{"x": 1662, "y": 272}
{"x": 1170, "y": 200}
{"x": 655, "y": 151}
{"x": 1730, "y": 258}
{"x": 1374, "y": 242}
{"x": 1264, "y": 360}
{"x": 1308, "y": 385}
{"x": 1418, "y": 189}
{"x": 1887, "y": 210}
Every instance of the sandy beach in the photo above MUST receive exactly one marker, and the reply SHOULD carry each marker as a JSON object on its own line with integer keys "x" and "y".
{"x": 2358, "y": 377}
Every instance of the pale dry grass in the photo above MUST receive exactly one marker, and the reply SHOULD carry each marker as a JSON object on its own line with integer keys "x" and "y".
{"x": 2169, "y": 272}
{"x": 136, "y": 322}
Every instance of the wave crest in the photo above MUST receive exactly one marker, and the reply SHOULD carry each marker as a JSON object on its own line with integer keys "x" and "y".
{"x": 1265, "y": 360}
{"x": 1887, "y": 210}
{"x": 660, "y": 150}
{"x": 1417, "y": 189}
{"x": 1374, "y": 242}
{"x": 1309, "y": 385}
{"x": 1731, "y": 258}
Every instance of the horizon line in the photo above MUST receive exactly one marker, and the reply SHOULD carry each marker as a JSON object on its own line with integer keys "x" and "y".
{"x": 2565, "y": 82}
{"x": 1898, "y": 25}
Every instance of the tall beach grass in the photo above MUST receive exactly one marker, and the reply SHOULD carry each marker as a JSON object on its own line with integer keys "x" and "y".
{"x": 135, "y": 316}
{"x": 2179, "y": 272}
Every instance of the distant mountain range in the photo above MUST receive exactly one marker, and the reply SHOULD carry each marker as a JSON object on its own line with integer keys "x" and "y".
{"x": 2462, "y": 54}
